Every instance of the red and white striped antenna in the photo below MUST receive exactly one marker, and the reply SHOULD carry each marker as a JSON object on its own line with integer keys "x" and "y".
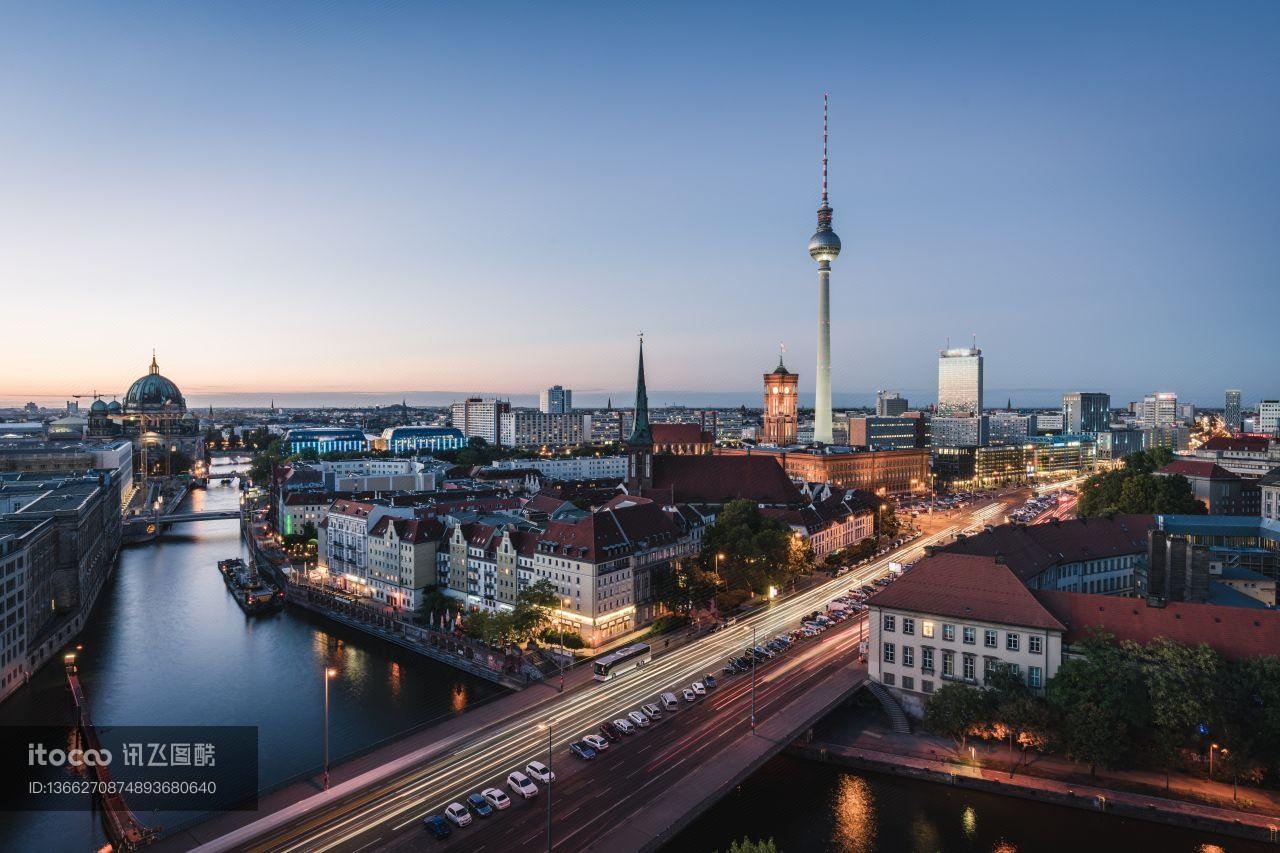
{"x": 824, "y": 147}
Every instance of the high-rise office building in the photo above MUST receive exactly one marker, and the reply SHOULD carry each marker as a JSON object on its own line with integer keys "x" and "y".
{"x": 1269, "y": 417}
{"x": 556, "y": 400}
{"x": 781, "y": 406}
{"x": 480, "y": 418}
{"x": 959, "y": 382}
{"x": 1086, "y": 411}
{"x": 890, "y": 404}
{"x": 1231, "y": 412}
{"x": 1159, "y": 410}
{"x": 824, "y": 246}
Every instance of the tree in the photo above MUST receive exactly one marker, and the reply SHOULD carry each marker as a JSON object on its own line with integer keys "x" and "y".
{"x": 956, "y": 711}
{"x": 533, "y": 609}
{"x": 759, "y": 551}
{"x": 746, "y": 845}
{"x": 1138, "y": 489}
{"x": 1100, "y": 700}
{"x": 434, "y": 603}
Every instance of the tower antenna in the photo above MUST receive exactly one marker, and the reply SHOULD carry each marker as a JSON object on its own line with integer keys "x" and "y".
{"x": 824, "y": 147}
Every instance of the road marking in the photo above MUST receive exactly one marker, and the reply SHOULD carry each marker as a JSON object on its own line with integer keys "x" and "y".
{"x": 370, "y": 844}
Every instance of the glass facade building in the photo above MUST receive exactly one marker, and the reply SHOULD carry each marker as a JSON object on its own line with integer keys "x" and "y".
{"x": 1086, "y": 412}
{"x": 960, "y": 382}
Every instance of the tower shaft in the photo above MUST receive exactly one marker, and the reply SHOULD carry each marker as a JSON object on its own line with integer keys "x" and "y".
{"x": 822, "y": 431}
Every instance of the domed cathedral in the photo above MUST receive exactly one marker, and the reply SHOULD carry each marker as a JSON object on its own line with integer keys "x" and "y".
{"x": 154, "y": 414}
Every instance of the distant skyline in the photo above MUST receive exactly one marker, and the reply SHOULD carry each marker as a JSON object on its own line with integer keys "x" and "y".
{"x": 295, "y": 198}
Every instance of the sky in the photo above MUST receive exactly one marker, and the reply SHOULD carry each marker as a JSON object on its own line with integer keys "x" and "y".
{"x": 331, "y": 201}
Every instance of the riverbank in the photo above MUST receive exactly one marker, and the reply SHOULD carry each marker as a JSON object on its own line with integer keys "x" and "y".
{"x": 1190, "y": 803}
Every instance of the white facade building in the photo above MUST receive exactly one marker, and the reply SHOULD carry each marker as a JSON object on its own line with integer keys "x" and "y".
{"x": 570, "y": 468}
{"x": 954, "y": 618}
{"x": 555, "y": 400}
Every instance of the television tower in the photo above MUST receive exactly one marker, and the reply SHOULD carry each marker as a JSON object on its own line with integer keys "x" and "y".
{"x": 824, "y": 247}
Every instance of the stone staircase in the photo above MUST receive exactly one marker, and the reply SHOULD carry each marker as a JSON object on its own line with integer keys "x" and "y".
{"x": 897, "y": 717}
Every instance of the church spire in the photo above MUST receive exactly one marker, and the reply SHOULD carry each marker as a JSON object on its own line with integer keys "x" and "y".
{"x": 155, "y": 368}
{"x": 640, "y": 432}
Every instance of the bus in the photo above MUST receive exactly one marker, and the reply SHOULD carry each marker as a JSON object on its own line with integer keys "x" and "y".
{"x": 622, "y": 661}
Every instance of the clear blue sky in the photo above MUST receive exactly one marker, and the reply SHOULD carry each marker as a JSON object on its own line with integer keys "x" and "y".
{"x": 496, "y": 197}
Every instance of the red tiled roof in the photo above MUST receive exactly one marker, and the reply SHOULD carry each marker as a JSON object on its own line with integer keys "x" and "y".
{"x": 962, "y": 586}
{"x": 1238, "y": 443}
{"x": 1201, "y": 468}
{"x": 1029, "y": 550}
{"x": 1230, "y": 631}
{"x": 343, "y": 507}
{"x": 412, "y": 530}
{"x": 609, "y": 534}
{"x": 719, "y": 479}
{"x": 680, "y": 434}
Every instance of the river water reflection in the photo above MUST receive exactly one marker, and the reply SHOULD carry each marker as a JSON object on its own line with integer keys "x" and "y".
{"x": 806, "y": 806}
{"x": 168, "y": 645}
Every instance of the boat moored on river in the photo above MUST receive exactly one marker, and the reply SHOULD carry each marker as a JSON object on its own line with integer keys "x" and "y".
{"x": 251, "y": 592}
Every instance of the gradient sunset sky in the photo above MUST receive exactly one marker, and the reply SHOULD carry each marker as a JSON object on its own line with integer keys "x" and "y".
{"x": 489, "y": 197}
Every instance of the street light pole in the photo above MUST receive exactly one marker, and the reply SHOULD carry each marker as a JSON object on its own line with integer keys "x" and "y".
{"x": 754, "y": 642}
{"x": 1212, "y": 747}
{"x": 329, "y": 672}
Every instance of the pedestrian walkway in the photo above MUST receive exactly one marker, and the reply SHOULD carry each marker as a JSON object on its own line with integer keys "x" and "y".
{"x": 1137, "y": 793}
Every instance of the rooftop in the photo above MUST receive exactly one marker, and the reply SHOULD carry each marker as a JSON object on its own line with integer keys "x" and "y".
{"x": 1226, "y": 630}
{"x": 962, "y": 586}
{"x": 1030, "y": 549}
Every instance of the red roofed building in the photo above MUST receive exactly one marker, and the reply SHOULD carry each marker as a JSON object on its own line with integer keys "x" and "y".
{"x": 683, "y": 439}
{"x": 1222, "y": 491}
{"x": 1246, "y": 455}
{"x": 1106, "y": 555}
{"x": 1230, "y": 631}
{"x": 402, "y": 559}
{"x": 954, "y": 618}
{"x": 720, "y": 479}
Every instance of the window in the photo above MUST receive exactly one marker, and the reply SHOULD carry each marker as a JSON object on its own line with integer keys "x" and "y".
{"x": 989, "y": 638}
{"x": 908, "y": 625}
{"x": 926, "y": 686}
{"x": 1011, "y": 641}
{"x": 969, "y": 633}
{"x": 926, "y": 629}
{"x": 969, "y": 668}
{"x": 948, "y": 664}
{"x": 1034, "y": 677}
{"x": 888, "y": 653}
{"x": 887, "y": 678}
{"x": 908, "y": 656}
{"x": 926, "y": 659}
{"x": 908, "y": 683}
{"x": 948, "y": 632}
{"x": 1033, "y": 644}
{"x": 889, "y": 622}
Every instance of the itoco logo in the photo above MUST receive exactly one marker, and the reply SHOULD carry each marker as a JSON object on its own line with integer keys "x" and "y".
{"x": 39, "y": 756}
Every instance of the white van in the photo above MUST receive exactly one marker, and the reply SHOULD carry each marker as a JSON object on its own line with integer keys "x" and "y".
{"x": 669, "y": 701}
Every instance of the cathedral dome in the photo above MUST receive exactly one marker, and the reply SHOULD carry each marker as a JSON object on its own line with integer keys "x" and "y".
{"x": 98, "y": 407}
{"x": 154, "y": 393}
{"x": 114, "y": 407}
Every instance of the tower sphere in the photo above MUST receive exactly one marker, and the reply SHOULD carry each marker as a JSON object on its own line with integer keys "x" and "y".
{"x": 824, "y": 245}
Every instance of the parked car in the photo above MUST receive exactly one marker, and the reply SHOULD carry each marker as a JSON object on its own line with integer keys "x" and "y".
{"x": 539, "y": 771}
{"x": 710, "y": 681}
{"x": 624, "y": 726}
{"x": 496, "y": 798}
{"x": 651, "y": 711}
{"x": 731, "y": 668}
{"x": 689, "y": 695}
{"x": 639, "y": 718}
{"x": 522, "y": 784}
{"x": 596, "y": 742}
{"x": 582, "y": 750}
{"x": 458, "y": 813}
{"x": 479, "y": 806}
{"x": 437, "y": 826}
{"x": 610, "y": 731}
{"x": 669, "y": 701}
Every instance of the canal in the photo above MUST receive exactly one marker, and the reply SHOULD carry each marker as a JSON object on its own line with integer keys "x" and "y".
{"x": 807, "y": 807}
{"x": 167, "y": 645}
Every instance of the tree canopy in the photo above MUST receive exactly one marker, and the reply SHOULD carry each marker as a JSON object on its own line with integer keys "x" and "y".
{"x": 1137, "y": 489}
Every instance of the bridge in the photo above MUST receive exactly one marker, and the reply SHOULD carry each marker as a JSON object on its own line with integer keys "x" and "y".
{"x": 635, "y": 795}
{"x": 137, "y": 524}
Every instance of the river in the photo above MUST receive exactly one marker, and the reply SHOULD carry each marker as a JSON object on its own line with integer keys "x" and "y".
{"x": 807, "y": 807}
{"x": 167, "y": 645}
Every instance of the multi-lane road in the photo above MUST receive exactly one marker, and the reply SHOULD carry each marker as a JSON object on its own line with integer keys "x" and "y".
{"x": 591, "y": 797}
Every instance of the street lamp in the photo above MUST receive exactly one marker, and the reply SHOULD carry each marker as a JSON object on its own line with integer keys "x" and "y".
{"x": 550, "y": 778}
{"x": 719, "y": 557}
{"x": 329, "y": 673}
{"x": 566, "y": 602}
{"x": 753, "y": 677}
{"x": 1212, "y": 747}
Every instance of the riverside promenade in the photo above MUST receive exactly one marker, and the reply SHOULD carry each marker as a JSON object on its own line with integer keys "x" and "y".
{"x": 1190, "y": 802}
